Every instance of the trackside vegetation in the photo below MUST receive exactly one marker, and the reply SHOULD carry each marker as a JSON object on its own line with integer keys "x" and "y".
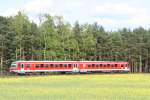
{"x": 55, "y": 39}
{"x": 77, "y": 87}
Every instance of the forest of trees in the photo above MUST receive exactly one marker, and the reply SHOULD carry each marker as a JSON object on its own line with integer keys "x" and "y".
{"x": 55, "y": 39}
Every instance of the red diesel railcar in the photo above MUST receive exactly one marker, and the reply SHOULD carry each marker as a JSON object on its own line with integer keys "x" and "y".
{"x": 68, "y": 66}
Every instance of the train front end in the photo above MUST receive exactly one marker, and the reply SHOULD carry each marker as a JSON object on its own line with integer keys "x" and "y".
{"x": 13, "y": 67}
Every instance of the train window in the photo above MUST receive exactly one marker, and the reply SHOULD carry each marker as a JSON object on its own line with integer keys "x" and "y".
{"x": 108, "y": 65}
{"x": 104, "y": 65}
{"x": 42, "y": 65}
{"x": 97, "y": 65}
{"x": 122, "y": 65}
{"x": 70, "y": 65}
{"x": 89, "y": 65}
{"x": 56, "y": 66}
{"x": 112, "y": 65}
{"x": 100, "y": 65}
{"x": 37, "y": 65}
{"x": 51, "y": 65}
{"x": 61, "y": 65}
{"x": 46, "y": 65}
{"x": 65, "y": 65}
{"x": 126, "y": 65}
{"x": 116, "y": 65}
{"x": 22, "y": 65}
{"x": 28, "y": 65}
{"x": 93, "y": 65}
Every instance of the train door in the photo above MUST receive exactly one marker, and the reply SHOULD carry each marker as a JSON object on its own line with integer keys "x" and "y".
{"x": 75, "y": 68}
{"x": 22, "y": 68}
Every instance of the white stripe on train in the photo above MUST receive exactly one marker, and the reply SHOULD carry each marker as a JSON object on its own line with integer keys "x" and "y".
{"x": 69, "y": 70}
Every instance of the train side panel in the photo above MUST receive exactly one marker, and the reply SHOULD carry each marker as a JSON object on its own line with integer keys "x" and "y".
{"x": 69, "y": 66}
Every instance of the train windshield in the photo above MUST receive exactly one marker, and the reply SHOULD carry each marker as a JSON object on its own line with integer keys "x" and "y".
{"x": 13, "y": 64}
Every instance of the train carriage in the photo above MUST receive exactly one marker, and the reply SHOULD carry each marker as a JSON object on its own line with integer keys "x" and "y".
{"x": 68, "y": 66}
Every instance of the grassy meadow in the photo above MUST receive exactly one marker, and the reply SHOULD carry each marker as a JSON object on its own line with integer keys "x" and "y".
{"x": 77, "y": 87}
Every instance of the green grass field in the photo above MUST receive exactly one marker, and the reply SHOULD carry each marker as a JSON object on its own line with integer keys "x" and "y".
{"x": 77, "y": 87}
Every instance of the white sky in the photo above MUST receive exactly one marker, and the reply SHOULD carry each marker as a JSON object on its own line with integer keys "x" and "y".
{"x": 112, "y": 14}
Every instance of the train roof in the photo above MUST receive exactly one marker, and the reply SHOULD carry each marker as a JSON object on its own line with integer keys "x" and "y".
{"x": 75, "y": 61}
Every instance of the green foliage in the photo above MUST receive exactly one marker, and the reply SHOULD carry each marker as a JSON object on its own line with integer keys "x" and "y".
{"x": 55, "y": 39}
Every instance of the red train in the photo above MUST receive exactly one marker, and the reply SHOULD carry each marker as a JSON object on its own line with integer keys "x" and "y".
{"x": 23, "y": 67}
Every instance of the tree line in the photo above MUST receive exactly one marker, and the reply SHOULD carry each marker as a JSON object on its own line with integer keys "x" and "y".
{"x": 55, "y": 39}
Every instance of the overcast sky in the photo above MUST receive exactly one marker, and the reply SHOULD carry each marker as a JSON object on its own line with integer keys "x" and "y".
{"x": 112, "y": 14}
